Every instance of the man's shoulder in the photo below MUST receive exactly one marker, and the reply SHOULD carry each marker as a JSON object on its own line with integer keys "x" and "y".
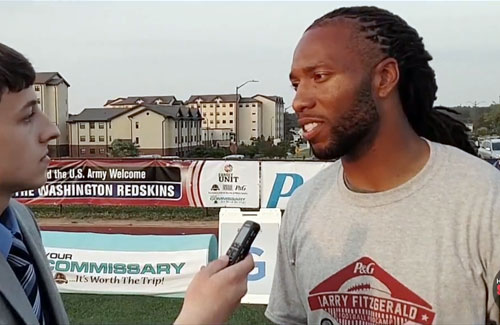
{"x": 466, "y": 166}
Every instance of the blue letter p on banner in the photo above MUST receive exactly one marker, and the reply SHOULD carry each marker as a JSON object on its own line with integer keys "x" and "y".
{"x": 279, "y": 182}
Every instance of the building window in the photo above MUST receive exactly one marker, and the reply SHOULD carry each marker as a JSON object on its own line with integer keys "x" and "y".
{"x": 218, "y": 113}
{"x": 211, "y": 122}
{"x": 230, "y": 105}
{"x": 223, "y": 105}
{"x": 246, "y": 105}
{"x": 218, "y": 121}
{"x": 92, "y": 138}
{"x": 101, "y": 138}
{"x": 223, "y": 113}
{"x": 92, "y": 151}
{"x": 204, "y": 122}
{"x": 254, "y": 121}
{"x": 136, "y": 125}
{"x": 101, "y": 151}
{"x": 230, "y": 113}
{"x": 101, "y": 125}
{"x": 82, "y": 125}
{"x": 204, "y": 114}
{"x": 253, "y": 113}
{"x": 230, "y": 121}
{"x": 211, "y": 105}
{"x": 92, "y": 125}
{"x": 82, "y": 138}
{"x": 223, "y": 121}
{"x": 38, "y": 101}
{"x": 109, "y": 124}
{"x": 136, "y": 140}
{"x": 204, "y": 105}
{"x": 109, "y": 138}
{"x": 175, "y": 139}
{"x": 37, "y": 88}
{"x": 253, "y": 105}
{"x": 82, "y": 150}
{"x": 191, "y": 138}
{"x": 211, "y": 113}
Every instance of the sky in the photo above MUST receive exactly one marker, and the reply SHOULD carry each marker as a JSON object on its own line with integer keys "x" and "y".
{"x": 116, "y": 49}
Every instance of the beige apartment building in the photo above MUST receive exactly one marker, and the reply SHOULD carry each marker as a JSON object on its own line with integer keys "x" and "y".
{"x": 156, "y": 130}
{"x": 227, "y": 117}
{"x": 52, "y": 96}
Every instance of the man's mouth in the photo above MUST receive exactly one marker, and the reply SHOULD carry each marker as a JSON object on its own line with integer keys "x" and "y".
{"x": 310, "y": 130}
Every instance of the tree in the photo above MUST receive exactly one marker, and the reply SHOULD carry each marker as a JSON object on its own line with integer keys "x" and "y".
{"x": 124, "y": 148}
{"x": 204, "y": 152}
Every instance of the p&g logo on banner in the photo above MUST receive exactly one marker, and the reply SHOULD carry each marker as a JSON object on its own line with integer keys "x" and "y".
{"x": 281, "y": 179}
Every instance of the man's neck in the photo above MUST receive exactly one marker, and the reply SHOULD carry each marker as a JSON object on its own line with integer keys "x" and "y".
{"x": 395, "y": 156}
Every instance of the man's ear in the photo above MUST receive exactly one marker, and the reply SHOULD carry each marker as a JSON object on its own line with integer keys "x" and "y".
{"x": 385, "y": 77}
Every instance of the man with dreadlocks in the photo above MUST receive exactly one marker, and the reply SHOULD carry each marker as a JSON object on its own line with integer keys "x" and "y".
{"x": 402, "y": 228}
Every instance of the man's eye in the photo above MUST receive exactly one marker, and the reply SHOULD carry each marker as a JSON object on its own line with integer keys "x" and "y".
{"x": 28, "y": 118}
{"x": 320, "y": 77}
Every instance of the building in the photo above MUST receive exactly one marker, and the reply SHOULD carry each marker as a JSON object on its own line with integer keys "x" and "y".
{"x": 250, "y": 120}
{"x": 219, "y": 117}
{"x": 273, "y": 116}
{"x": 129, "y": 102}
{"x": 223, "y": 122}
{"x": 52, "y": 96}
{"x": 156, "y": 129}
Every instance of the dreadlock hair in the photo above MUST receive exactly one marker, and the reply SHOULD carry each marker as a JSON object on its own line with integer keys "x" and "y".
{"x": 417, "y": 84}
{"x": 16, "y": 72}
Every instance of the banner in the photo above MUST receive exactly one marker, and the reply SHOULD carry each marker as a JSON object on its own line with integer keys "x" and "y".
{"x": 280, "y": 179}
{"x": 126, "y": 264}
{"x": 148, "y": 182}
{"x": 230, "y": 184}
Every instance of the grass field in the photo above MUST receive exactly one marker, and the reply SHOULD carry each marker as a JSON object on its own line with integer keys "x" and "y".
{"x": 106, "y": 309}
{"x": 125, "y": 212}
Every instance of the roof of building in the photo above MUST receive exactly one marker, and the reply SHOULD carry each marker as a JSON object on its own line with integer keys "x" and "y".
{"x": 248, "y": 100}
{"x": 97, "y": 114}
{"x": 275, "y": 99}
{"x": 50, "y": 78}
{"x": 174, "y": 111}
{"x": 211, "y": 98}
{"x": 147, "y": 100}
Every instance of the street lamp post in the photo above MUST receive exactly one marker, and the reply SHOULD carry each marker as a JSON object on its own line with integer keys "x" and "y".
{"x": 237, "y": 108}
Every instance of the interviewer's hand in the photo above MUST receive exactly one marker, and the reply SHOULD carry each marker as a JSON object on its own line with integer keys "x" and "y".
{"x": 215, "y": 292}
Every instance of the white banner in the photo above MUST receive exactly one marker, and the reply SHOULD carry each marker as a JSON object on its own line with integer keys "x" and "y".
{"x": 264, "y": 248}
{"x": 230, "y": 184}
{"x": 119, "y": 272}
{"x": 280, "y": 179}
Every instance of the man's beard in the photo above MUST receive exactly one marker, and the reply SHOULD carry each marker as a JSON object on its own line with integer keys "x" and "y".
{"x": 353, "y": 129}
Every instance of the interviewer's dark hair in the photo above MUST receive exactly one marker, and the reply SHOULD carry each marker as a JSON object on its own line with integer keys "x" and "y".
{"x": 417, "y": 84}
{"x": 16, "y": 72}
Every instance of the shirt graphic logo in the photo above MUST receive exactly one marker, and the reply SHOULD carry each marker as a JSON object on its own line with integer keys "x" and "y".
{"x": 364, "y": 293}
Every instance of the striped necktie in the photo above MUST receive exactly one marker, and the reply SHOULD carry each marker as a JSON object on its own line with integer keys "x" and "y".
{"x": 19, "y": 260}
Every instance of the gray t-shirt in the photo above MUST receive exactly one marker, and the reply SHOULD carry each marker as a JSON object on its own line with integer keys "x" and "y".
{"x": 425, "y": 252}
